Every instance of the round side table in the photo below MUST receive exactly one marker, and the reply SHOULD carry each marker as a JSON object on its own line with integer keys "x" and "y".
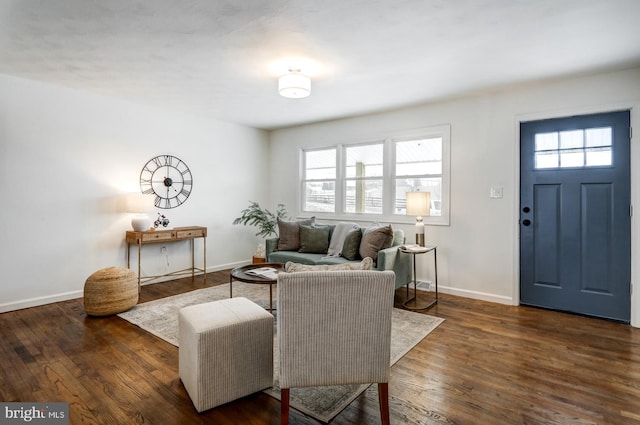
{"x": 240, "y": 273}
{"x": 416, "y": 250}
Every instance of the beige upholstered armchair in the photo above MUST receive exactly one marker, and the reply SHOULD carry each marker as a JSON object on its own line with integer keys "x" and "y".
{"x": 334, "y": 328}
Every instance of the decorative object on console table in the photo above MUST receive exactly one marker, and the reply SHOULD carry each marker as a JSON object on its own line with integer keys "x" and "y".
{"x": 416, "y": 250}
{"x": 166, "y": 236}
{"x": 162, "y": 220}
{"x": 140, "y": 205}
{"x": 418, "y": 204}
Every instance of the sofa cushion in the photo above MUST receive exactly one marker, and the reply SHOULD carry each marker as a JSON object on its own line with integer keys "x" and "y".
{"x": 289, "y": 233}
{"x": 295, "y": 256}
{"x": 365, "y": 264}
{"x": 374, "y": 239}
{"x": 398, "y": 237}
{"x": 314, "y": 239}
{"x": 351, "y": 247}
{"x": 305, "y": 258}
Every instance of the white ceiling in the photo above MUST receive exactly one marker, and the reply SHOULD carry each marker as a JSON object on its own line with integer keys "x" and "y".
{"x": 218, "y": 57}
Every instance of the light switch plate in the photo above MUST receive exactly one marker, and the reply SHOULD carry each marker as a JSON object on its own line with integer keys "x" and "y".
{"x": 495, "y": 192}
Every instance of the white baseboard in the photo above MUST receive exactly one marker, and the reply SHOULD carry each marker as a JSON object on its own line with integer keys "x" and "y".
{"x": 65, "y": 296}
{"x": 38, "y": 301}
{"x": 49, "y": 299}
{"x": 483, "y": 296}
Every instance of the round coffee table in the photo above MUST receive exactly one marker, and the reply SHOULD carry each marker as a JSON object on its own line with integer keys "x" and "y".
{"x": 240, "y": 273}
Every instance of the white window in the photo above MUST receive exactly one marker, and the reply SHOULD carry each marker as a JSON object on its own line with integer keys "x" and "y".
{"x": 364, "y": 178}
{"x": 319, "y": 181}
{"x": 369, "y": 181}
{"x": 419, "y": 168}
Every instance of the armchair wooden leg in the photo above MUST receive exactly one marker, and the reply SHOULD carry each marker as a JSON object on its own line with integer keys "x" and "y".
{"x": 284, "y": 406}
{"x": 383, "y": 399}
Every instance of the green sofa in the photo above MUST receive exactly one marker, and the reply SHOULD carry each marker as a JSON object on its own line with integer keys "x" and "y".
{"x": 387, "y": 259}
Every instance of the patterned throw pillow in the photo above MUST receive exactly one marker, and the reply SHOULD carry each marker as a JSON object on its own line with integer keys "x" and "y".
{"x": 289, "y": 233}
{"x": 365, "y": 264}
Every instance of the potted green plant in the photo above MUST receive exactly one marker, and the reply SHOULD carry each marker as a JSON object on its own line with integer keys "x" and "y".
{"x": 264, "y": 220}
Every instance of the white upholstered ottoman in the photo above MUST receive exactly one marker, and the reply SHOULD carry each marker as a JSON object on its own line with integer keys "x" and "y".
{"x": 225, "y": 351}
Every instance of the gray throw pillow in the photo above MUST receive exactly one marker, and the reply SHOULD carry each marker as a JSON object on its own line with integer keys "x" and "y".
{"x": 374, "y": 239}
{"x": 351, "y": 246}
{"x": 314, "y": 239}
{"x": 289, "y": 233}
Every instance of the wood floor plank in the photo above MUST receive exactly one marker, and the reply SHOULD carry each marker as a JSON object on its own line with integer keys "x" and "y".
{"x": 486, "y": 364}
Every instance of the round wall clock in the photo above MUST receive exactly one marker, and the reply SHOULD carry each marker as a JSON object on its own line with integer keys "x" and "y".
{"x": 168, "y": 178}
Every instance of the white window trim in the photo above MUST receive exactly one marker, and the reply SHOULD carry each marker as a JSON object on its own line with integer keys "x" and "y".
{"x": 443, "y": 131}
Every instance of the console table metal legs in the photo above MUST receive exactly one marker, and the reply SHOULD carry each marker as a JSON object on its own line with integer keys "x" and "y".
{"x": 415, "y": 283}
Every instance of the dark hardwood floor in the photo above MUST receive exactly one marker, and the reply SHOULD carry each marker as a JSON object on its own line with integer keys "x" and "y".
{"x": 486, "y": 364}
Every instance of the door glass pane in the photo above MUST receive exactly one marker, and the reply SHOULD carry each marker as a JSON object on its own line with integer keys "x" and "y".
{"x": 547, "y": 159}
{"x": 546, "y": 141}
{"x": 598, "y": 156}
{"x": 571, "y": 139}
{"x": 598, "y": 137}
{"x": 574, "y": 148}
{"x": 572, "y": 158}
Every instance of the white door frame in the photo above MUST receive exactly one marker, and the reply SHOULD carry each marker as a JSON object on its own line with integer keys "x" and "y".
{"x": 634, "y": 107}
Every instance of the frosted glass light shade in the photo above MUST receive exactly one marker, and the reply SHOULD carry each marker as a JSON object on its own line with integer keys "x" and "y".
{"x": 294, "y": 85}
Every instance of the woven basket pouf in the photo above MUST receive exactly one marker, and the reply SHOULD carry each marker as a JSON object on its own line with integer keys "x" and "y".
{"x": 110, "y": 291}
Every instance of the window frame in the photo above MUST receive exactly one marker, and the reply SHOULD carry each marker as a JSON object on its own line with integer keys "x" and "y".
{"x": 388, "y": 178}
{"x": 303, "y": 180}
{"x": 345, "y": 179}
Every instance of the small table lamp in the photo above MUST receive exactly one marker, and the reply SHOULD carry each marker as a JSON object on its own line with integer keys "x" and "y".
{"x": 419, "y": 204}
{"x": 140, "y": 204}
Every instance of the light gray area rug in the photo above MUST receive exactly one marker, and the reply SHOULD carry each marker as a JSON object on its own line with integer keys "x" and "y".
{"x": 160, "y": 318}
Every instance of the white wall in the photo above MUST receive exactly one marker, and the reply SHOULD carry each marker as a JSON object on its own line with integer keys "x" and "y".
{"x": 478, "y": 252}
{"x": 67, "y": 157}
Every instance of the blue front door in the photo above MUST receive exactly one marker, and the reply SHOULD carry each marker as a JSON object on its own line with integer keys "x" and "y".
{"x": 575, "y": 225}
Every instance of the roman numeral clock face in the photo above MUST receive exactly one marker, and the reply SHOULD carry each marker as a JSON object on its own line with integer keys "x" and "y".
{"x": 168, "y": 178}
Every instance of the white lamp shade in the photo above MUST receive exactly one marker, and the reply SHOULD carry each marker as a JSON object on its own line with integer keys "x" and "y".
{"x": 418, "y": 203}
{"x": 294, "y": 85}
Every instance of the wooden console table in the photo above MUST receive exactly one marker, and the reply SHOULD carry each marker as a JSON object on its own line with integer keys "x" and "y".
{"x": 166, "y": 236}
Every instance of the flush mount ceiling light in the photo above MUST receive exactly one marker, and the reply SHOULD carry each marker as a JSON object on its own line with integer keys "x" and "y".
{"x": 294, "y": 85}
